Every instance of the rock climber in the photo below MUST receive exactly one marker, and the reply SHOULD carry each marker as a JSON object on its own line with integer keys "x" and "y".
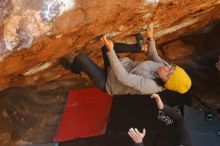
{"x": 124, "y": 76}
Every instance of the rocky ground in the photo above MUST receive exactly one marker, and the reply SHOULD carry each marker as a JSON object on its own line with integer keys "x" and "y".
{"x": 30, "y": 114}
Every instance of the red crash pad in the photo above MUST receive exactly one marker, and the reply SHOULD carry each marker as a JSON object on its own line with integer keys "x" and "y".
{"x": 85, "y": 114}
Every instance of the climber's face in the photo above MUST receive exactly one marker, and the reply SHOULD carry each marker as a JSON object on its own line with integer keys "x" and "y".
{"x": 165, "y": 72}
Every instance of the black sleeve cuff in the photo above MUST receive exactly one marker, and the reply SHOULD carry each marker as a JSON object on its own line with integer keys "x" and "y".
{"x": 138, "y": 144}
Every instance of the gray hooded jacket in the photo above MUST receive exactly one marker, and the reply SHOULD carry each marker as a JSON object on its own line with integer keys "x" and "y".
{"x": 128, "y": 77}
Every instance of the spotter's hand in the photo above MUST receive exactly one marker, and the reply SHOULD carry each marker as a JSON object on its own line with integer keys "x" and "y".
{"x": 135, "y": 135}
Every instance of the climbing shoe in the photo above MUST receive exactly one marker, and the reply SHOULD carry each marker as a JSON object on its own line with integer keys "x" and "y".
{"x": 65, "y": 63}
{"x": 140, "y": 40}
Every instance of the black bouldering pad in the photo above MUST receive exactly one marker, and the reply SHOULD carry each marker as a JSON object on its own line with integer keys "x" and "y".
{"x": 138, "y": 111}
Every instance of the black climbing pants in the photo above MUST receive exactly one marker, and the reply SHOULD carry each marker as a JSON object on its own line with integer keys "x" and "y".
{"x": 95, "y": 73}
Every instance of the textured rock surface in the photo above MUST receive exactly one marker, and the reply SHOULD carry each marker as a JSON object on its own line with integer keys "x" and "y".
{"x": 177, "y": 50}
{"x": 6, "y": 126}
{"x": 34, "y": 34}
